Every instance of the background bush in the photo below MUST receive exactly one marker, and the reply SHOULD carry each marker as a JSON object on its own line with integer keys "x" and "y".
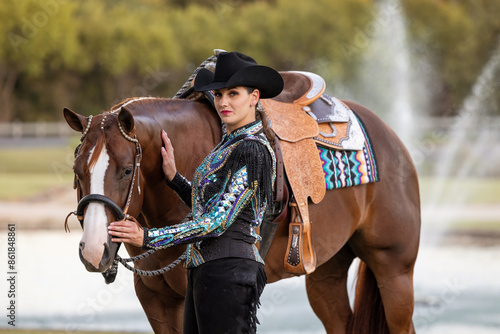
{"x": 90, "y": 54}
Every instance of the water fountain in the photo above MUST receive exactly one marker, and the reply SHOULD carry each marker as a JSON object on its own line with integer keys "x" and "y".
{"x": 452, "y": 277}
{"x": 398, "y": 89}
{"x": 391, "y": 81}
{"x": 463, "y": 136}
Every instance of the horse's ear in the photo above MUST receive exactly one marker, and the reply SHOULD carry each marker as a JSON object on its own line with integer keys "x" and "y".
{"x": 76, "y": 121}
{"x": 126, "y": 119}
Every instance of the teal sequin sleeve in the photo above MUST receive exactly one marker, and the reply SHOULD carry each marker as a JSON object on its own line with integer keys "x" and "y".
{"x": 212, "y": 223}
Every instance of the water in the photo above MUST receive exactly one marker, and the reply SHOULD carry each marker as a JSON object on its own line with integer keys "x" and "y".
{"x": 455, "y": 287}
{"x": 55, "y": 290}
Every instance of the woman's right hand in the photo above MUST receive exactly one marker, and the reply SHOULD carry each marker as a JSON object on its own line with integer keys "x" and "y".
{"x": 167, "y": 153}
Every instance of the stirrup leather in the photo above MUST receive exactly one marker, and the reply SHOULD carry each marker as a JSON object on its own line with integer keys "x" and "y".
{"x": 301, "y": 257}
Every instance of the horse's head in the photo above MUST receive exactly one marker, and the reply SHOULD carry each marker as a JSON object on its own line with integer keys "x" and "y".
{"x": 107, "y": 180}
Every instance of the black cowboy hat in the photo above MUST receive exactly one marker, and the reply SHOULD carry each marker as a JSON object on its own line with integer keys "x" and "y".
{"x": 237, "y": 69}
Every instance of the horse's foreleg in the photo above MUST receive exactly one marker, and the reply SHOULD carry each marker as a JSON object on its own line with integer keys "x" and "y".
{"x": 163, "y": 310}
{"x": 327, "y": 291}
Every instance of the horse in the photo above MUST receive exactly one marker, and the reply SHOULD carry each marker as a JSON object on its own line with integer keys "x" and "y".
{"x": 379, "y": 223}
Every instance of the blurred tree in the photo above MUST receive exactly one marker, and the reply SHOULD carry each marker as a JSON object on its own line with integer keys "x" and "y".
{"x": 291, "y": 35}
{"x": 90, "y": 54}
{"x": 458, "y": 38}
{"x": 124, "y": 42}
{"x": 40, "y": 36}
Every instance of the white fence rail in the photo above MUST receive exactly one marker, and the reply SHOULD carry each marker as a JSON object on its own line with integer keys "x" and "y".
{"x": 36, "y": 130}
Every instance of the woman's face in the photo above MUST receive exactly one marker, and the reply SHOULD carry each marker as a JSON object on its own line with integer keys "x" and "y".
{"x": 235, "y": 106}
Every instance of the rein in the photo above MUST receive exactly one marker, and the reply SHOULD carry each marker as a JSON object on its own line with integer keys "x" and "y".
{"x": 146, "y": 272}
{"x": 111, "y": 273}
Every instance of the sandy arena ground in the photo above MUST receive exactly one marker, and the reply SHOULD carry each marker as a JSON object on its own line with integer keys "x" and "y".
{"x": 46, "y": 211}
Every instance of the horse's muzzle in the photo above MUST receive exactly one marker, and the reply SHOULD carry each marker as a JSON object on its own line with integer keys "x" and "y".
{"x": 106, "y": 260}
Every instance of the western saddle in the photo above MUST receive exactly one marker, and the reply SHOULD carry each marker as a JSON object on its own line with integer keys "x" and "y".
{"x": 290, "y": 115}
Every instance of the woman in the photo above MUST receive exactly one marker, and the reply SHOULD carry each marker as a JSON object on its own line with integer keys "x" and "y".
{"x": 228, "y": 196}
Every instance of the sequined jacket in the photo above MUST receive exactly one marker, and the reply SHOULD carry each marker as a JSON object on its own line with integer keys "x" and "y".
{"x": 228, "y": 197}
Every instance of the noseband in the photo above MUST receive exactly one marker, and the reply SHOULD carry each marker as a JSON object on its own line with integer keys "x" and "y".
{"x": 102, "y": 199}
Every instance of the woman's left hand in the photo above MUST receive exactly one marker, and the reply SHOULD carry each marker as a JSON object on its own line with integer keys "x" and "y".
{"x": 126, "y": 231}
{"x": 167, "y": 153}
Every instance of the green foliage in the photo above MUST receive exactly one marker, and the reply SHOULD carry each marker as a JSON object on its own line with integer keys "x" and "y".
{"x": 459, "y": 37}
{"x": 40, "y": 36}
{"x": 299, "y": 35}
{"x": 90, "y": 54}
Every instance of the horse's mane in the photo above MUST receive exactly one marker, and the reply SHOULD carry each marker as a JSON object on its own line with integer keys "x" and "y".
{"x": 130, "y": 100}
{"x": 143, "y": 103}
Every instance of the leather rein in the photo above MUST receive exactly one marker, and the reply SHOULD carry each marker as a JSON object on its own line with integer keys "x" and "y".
{"x": 110, "y": 274}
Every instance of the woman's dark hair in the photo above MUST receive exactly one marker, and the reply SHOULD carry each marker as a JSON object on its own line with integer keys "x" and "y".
{"x": 261, "y": 114}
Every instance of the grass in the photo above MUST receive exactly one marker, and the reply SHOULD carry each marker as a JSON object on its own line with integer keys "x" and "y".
{"x": 37, "y": 160}
{"x": 17, "y": 186}
{"x": 477, "y": 226}
{"x": 26, "y": 172}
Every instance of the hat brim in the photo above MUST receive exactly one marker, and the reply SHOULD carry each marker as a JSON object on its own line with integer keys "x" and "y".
{"x": 267, "y": 80}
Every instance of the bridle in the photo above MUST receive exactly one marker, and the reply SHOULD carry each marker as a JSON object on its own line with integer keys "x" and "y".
{"x": 121, "y": 214}
{"x": 117, "y": 210}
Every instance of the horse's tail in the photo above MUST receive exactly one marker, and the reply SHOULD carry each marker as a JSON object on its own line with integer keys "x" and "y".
{"x": 368, "y": 315}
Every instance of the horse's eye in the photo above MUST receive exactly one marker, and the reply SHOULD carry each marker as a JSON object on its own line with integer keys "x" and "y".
{"x": 128, "y": 171}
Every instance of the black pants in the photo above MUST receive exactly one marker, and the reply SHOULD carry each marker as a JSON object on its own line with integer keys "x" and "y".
{"x": 223, "y": 296}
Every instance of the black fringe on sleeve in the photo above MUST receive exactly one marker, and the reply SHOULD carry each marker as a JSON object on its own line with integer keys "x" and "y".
{"x": 258, "y": 160}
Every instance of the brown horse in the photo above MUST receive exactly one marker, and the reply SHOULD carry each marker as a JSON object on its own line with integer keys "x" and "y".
{"x": 377, "y": 222}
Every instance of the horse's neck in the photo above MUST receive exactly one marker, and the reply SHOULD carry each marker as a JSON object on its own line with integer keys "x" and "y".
{"x": 186, "y": 121}
{"x": 193, "y": 128}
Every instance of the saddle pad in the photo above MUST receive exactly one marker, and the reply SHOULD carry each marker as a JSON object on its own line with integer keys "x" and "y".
{"x": 347, "y": 168}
